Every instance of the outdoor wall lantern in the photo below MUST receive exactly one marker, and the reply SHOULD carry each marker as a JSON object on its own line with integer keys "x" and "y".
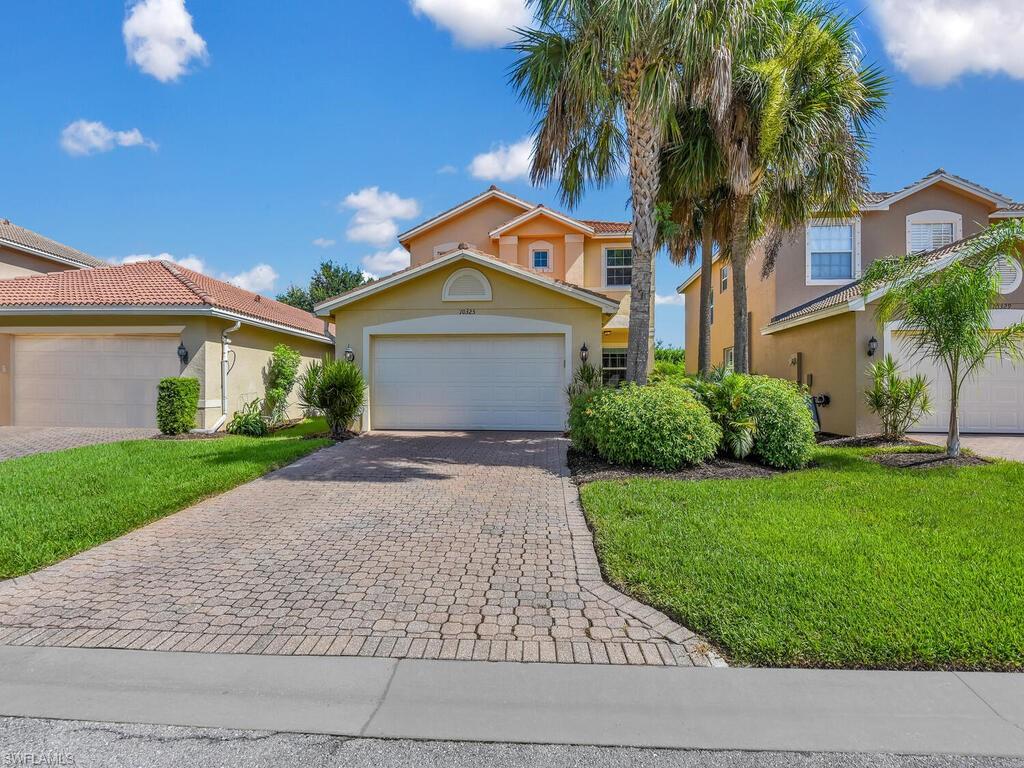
{"x": 872, "y": 346}
{"x": 182, "y": 353}
{"x": 349, "y": 354}
{"x": 584, "y": 352}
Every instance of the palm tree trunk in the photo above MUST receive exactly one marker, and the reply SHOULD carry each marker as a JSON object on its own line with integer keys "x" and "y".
{"x": 644, "y": 136}
{"x": 953, "y": 439}
{"x": 739, "y": 253}
{"x": 704, "y": 343}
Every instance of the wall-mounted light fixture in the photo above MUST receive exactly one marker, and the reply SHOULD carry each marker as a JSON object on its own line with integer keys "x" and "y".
{"x": 182, "y": 353}
{"x": 584, "y": 352}
{"x": 349, "y": 354}
{"x": 872, "y": 346}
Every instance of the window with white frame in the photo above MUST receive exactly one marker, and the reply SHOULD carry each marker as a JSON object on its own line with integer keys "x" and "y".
{"x": 832, "y": 252}
{"x": 540, "y": 256}
{"x": 729, "y": 358}
{"x": 928, "y": 230}
{"x": 618, "y": 267}
{"x": 613, "y": 366}
{"x": 723, "y": 278}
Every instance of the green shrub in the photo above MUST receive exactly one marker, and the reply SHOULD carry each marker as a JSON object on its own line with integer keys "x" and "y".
{"x": 340, "y": 392}
{"x": 665, "y": 371}
{"x": 309, "y": 382}
{"x": 177, "y": 401}
{"x": 584, "y": 379}
{"x": 897, "y": 401}
{"x": 784, "y": 428}
{"x": 653, "y": 426}
{"x": 666, "y": 354}
{"x": 726, "y": 395}
{"x": 582, "y": 409}
{"x": 250, "y": 420}
{"x": 282, "y": 370}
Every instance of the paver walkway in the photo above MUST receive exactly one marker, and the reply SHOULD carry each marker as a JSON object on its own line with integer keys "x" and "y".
{"x": 24, "y": 441}
{"x": 422, "y": 545}
{"x": 997, "y": 446}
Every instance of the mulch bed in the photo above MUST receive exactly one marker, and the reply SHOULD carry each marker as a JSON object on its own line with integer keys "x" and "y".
{"x": 866, "y": 441}
{"x": 925, "y": 460}
{"x": 588, "y": 469}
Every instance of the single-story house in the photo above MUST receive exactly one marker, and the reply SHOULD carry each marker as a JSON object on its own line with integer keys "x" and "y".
{"x": 87, "y": 346}
{"x": 468, "y": 340}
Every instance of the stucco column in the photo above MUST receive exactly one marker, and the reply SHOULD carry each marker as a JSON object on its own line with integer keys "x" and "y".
{"x": 508, "y": 249}
{"x": 574, "y": 259}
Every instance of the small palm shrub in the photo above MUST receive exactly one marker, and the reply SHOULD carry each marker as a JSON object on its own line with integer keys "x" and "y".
{"x": 177, "y": 401}
{"x": 726, "y": 395}
{"x": 784, "y": 427}
{"x": 249, "y": 420}
{"x": 652, "y": 426}
{"x": 340, "y": 392}
{"x": 309, "y": 383}
{"x": 280, "y": 376}
{"x": 586, "y": 378}
{"x": 898, "y": 402}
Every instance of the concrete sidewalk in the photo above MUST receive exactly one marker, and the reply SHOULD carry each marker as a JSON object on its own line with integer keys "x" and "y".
{"x": 745, "y": 709}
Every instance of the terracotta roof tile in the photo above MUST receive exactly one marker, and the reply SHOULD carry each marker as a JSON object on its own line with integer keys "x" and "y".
{"x": 12, "y": 234}
{"x": 608, "y": 227}
{"x": 149, "y": 283}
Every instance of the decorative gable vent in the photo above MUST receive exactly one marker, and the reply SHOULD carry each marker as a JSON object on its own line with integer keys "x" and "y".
{"x": 1009, "y": 273}
{"x": 466, "y": 285}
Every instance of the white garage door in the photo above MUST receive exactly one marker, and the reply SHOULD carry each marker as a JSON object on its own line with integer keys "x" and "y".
{"x": 468, "y": 382}
{"x": 90, "y": 381}
{"x": 991, "y": 402}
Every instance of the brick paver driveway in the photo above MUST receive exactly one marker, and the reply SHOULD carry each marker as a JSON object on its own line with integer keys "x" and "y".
{"x": 425, "y": 545}
{"x": 24, "y": 441}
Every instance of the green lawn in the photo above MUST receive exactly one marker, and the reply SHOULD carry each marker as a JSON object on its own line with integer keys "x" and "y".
{"x": 846, "y": 564}
{"x": 54, "y": 505}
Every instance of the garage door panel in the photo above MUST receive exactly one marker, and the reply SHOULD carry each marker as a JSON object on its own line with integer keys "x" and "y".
{"x": 90, "y": 381}
{"x": 468, "y": 382}
{"x": 991, "y": 401}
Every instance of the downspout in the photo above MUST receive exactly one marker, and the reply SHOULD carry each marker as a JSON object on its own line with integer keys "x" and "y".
{"x": 225, "y": 349}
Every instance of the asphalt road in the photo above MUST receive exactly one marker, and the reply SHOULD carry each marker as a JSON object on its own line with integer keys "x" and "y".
{"x": 37, "y": 742}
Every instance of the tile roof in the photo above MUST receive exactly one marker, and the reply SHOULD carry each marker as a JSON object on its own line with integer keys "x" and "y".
{"x": 13, "y": 235}
{"x": 608, "y": 227}
{"x": 872, "y": 198}
{"x": 150, "y": 283}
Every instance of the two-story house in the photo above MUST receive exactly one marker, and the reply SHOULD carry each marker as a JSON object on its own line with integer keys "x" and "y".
{"x": 502, "y": 301}
{"x": 809, "y": 321}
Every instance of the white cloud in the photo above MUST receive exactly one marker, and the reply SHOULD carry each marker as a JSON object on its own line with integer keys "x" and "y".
{"x": 385, "y": 262}
{"x": 86, "y": 137}
{"x": 505, "y": 162}
{"x": 671, "y": 299}
{"x": 376, "y": 211}
{"x": 447, "y": 170}
{"x": 259, "y": 279}
{"x": 937, "y": 41}
{"x": 160, "y": 39}
{"x": 324, "y": 242}
{"x": 476, "y": 23}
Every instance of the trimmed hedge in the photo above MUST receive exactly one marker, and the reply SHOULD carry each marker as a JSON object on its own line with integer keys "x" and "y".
{"x": 784, "y": 428}
{"x": 177, "y": 402}
{"x": 652, "y": 426}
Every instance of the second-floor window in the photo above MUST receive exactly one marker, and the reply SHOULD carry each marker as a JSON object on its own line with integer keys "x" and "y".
{"x": 830, "y": 252}
{"x": 618, "y": 267}
{"x": 724, "y": 279}
{"x": 541, "y": 260}
{"x": 928, "y": 237}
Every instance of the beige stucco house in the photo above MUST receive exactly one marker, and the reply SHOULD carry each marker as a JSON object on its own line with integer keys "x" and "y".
{"x": 501, "y": 302}
{"x": 84, "y": 343}
{"x": 810, "y": 322}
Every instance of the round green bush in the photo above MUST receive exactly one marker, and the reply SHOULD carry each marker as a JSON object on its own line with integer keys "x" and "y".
{"x": 582, "y": 408}
{"x": 653, "y": 426}
{"x": 784, "y": 429}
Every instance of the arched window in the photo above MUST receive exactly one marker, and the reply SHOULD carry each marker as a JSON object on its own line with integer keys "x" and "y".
{"x": 466, "y": 284}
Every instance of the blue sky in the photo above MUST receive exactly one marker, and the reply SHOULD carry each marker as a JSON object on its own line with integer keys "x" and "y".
{"x": 231, "y": 140}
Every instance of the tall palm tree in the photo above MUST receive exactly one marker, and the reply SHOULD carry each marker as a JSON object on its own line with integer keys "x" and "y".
{"x": 794, "y": 133}
{"x": 604, "y": 77}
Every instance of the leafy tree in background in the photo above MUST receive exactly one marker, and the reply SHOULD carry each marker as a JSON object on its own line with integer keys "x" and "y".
{"x": 329, "y": 279}
{"x": 947, "y": 309}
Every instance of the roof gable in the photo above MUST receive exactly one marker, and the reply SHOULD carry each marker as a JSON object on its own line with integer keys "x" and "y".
{"x": 470, "y": 255}
{"x": 538, "y": 212}
{"x": 879, "y": 201}
{"x": 491, "y": 193}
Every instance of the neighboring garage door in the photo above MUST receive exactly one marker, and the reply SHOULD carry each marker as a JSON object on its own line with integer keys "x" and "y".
{"x": 90, "y": 381}
{"x": 991, "y": 402}
{"x": 468, "y": 382}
